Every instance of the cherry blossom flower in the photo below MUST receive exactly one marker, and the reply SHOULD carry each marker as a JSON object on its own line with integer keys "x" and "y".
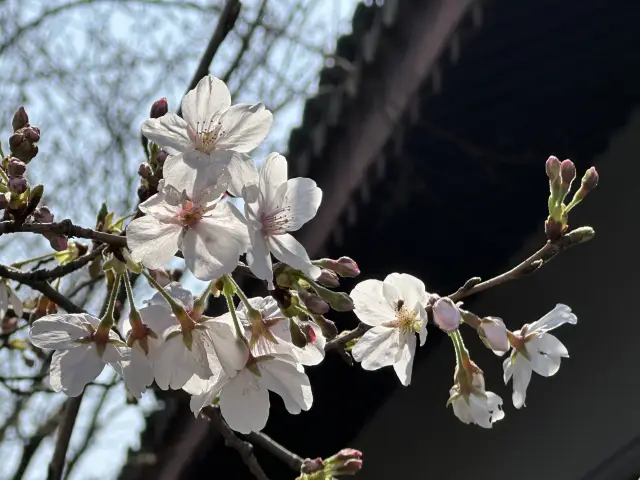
{"x": 271, "y": 333}
{"x": 493, "y": 333}
{"x": 275, "y": 206}
{"x": 9, "y": 298}
{"x": 199, "y": 346}
{"x": 195, "y": 221}
{"x": 472, "y": 404}
{"x": 212, "y": 131}
{"x": 82, "y": 350}
{"x": 446, "y": 314}
{"x": 395, "y": 310}
{"x": 534, "y": 349}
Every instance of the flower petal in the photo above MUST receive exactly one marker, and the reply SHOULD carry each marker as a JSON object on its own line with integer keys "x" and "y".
{"x": 377, "y": 348}
{"x": 243, "y": 173}
{"x": 195, "y": 174}
{"x": 259, "y": 256}
{"x": 423, "y": 316}
{"x": 4, "y": 299}
{"x": 521, "y": 378}
{"x": 207, "y": 396}
{"x": 245, "y": 126}
{"x": 311, "y": 353}
{"x": 152, "y": 242}
{"x": 210, "y": 97}
{"x": 410, "y": 289}
{"x": 560, "y": 315}
{"x": 244, "y": 404}
{"x": 230, "y": 352}
{"x": 59, "y": 331}
{"x": 174, "y": 364}
{"x": 158, "y": 207}
{"x": 371, "y": 307}
{"x": 404, "y": 360}
{"x": 301, "y": 201}
{"x": 73, "y": 369}
{"x": 273, "y": 174}
{"x": 288, "y": 250}
{"x": 137, "y": 373}
{"x": 280, "y": 375}
{"x": 169, "y": 132}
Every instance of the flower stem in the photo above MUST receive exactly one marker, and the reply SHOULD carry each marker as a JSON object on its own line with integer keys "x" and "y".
{"x": 456, "y": 346}
{"x": 232, "y": 310}
{"x": 201, "y": 302}
{"x": 134, "y": 315}
{"x": 3, "y": 175}
{"x": 241, "y": 295}
{"x": 106, "y": 322}
{"x": 177, "y": 309}
{"x": 46, "y": 256}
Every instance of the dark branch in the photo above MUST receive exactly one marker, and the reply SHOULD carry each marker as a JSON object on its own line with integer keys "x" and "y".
{"x": 286, "y": 456}
{"x": 63, "y": 228}
{"x": 56, "y": 467}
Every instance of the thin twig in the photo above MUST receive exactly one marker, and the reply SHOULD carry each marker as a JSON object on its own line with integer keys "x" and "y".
{"x": 64, "y": 227}
{"x": 285, "y": 455}
{"x": 56, "y": 467}
{"x": 245, "y": 449}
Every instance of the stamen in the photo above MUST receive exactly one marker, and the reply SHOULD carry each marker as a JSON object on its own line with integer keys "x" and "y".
{"x": 277, "y": 222}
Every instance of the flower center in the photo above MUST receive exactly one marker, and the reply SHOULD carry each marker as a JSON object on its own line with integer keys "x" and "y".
{"x": 207, "y": 135}
{"x": 405, "y": 320}
{"x": 276, "y": 222}
{"x": 189, "y": 214}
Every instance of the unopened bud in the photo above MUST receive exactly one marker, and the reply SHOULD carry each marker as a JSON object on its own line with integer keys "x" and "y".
{"x": 567, "y": 173}
{"x": 328, "y": 328}
{"x": 553, "y": 168}
{"x": 22, "y": 143}
{"x": 20, "y": 119}
{"x": 16, "y": 167}
{"x": 346, "y": 462}
{"x": 446, "y": 314}
{"x": 32, "y": 134}
{"x": 314, "y": 303}
{"x": 590, "y": 179}
{"x": 312, "y": 465}
{"x": 579, "y": 235}
{"x": 144, "y": 170}
{"x": 160, "y": 276}
{"x": 344, "y": 266}
{"x": 159, "y": 108}
{"x": 328, "y": 278}
{"x": 161, "y": 157}
{"x": 18, "y": 184}
{"x": 59, "y": 243}
{"x": 493, "y": 333}
{"x": 43, "y": 215}
{"x": 298, "y": 337}
{"x": 339, "y": 301}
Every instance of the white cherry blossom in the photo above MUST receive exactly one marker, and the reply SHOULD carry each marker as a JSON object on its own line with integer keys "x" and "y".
{"x": 81, "y": 351}
{"x": 212, "y": 131}
{"x": 475, "y": 405}
{"x": 395, "y": 310}
{"x": 193, "y": 218}
{"x": 275, "y": 206}
{"x": 9, "y": 298}
{"x": 534, "y": 349}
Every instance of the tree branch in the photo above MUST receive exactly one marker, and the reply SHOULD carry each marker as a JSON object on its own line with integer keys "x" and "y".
{"x": 56, "y": 467}
{"x": 286, "y": 456}
{"x": 64, "y": 227}
{"x": 245, "y": 449}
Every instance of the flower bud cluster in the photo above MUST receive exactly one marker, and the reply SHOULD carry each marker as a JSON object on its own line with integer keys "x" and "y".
{"x": 150, "y": 172}
{"x": 25, "y": 137}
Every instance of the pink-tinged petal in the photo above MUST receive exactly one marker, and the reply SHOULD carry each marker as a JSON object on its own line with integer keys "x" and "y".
{"x": 371, "y": 307}
{"x": 59, "y": 331}
{"x": 210, "y": 97}
{"x": 73, "y": 369}
{"x": 404, "y": 360}
{"x": 301, "y": 202}
{"x": 410, "y": 289}
{"x": 259, "y": 256}
{"x": 560, "y": 315}
{"x": 288, "y": 250}
{"x": 245, "y": 127}
{"x": 243, "y": 173}
{"x": 210, "y": 251}
{"x": 168, "y": 131}
{"x": 281, "y": 376}
{"x": 273, "y": 174}
{"x": 244, "y": 404}
{"x": 153, "y": 242}
{"x": 377, "y": 348}
{"x": 195, "y": 174}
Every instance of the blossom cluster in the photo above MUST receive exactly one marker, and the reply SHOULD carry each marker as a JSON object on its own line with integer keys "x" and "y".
{"x": 262, "y": 344}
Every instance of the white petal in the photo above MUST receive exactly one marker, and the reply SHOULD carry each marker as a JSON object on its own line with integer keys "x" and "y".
{"x": 152, "y": 242}
{"x": 223, "y": 215}
{"x": 245, "y": 127}
{"x": 168, "y": 131}
{"x": 404, "y": 360}
{"x": 58, "y": 331}
{"x": 280, "y": 375}
{"x": 494, "y": 404}
{"x": 16, "y": 303}
{"x": 196, "y": 174}
{"x": 244, "y": 404}
{"x": 75, "y": 368}
{"x": 544, "y": 365}
{"x": 462, "y": 409}
{"x": 116, "y": 352}
{"x": 158, "y": 318}
{"x": 479, "y": 411}
{"x": 311, "y": 353}
{"x": 158, "y": 207}
{"x": 288, "y": 250}
{"x": 422, "y": 315}
{"x": 560, "y": 315}
{"x": 177, "y": 292}
{"x": 211, "y": 96}
{"x": 243, "y": 173}
{"x": 521, "y": 377}
{"x": 273, "y": 174}
{"x": 259, "y": 256}
{"x": 208, "y": 395}
{"x": 377, "y": 348}
{"x": 230, "y": 351}
{"x": 174, "y": 364}
{"x": 410, "y": 289}
{"x": 210, "y": 250}
{"x": 370, "y": 305}
{"x": 301, "y": 201}
{"x": 137, "y": 373}
{"x": 549, "y": 345}
{"x": 4, "y": 299}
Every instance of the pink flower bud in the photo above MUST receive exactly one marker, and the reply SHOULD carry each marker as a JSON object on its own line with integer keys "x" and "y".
{"x": 18, "y": 184}
{"x": 567, "y": 172}
{"x": 16, "y": 167}
{"x": 344, "y": 266}
{"x": 446, "y": 314}
{"x": 20, "y": 119}
{"x": 328, "y": 278}
{"x": 162, "y": 157}
{"x": 590, "y": 179}
{"x": 159, "y": 108}
{"x": 346, "y": 462}
{"x": 314, "y": 303}
{"x": 312, "y": 465}
{"x": 144, "y": 170}
{"x": 553, "y": 168}
{"x": 493, "y": 333}
{"x": 59, "y": 243}
{"x": 32, "y": 134}
{"x": 43, "y": 215}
